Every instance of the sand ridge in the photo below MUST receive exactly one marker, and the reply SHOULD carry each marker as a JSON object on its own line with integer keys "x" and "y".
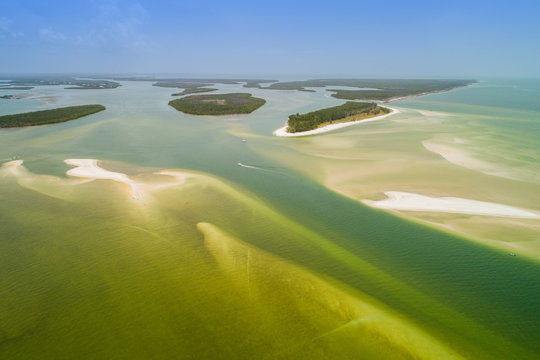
{"x": 399, "y": 200}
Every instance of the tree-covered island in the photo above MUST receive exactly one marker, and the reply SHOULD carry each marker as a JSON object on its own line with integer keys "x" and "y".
{"x": 219, "y": 104}
{"x": 194, "y": 86}
{"x": 52, "y": 116}
{"x": 194, "y": 90}
{"x": 16, "y": 88}
{"x": 350, "y": 111}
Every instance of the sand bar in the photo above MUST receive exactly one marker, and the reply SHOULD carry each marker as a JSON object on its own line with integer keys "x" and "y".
{"x": 12, "y": 167}
{"x": 282, "y": 131}
{"x": 89, "y": 169}
{"x": 398, "y": 200}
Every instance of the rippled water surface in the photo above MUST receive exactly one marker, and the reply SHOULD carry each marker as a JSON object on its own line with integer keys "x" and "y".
{"x": 265, "y": 260}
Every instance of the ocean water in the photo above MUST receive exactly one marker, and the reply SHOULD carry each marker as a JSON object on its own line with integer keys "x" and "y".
{"x": 275, "y": 260}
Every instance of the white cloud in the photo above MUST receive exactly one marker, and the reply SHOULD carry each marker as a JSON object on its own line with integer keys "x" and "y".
{"x": 6, "y": 29}
{"x": 53, "y": 36}
{"x": 5, "y": 24}
{"x": 118, "y": 25}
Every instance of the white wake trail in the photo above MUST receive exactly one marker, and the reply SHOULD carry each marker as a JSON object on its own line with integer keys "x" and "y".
{"x": 254, "y": 167}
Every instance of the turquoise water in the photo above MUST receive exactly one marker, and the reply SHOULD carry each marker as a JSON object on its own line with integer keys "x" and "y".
{"x": 415, "y": 270}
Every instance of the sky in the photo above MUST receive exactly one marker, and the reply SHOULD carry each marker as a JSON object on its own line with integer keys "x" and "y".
{"x": 288, "y": 38}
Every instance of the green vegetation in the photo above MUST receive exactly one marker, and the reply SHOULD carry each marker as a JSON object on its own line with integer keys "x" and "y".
{"x": 16, "y": 88}
{"x": 15, "y": 96}
{"x": 195, "y": 83}
{"x": 220, "y": 104}
{"x": 374, "y": 89}
{"x": 257, "y": 83}
{"x": 26, "y": 83}
{"x": 194, "y": 86}
{"x": 252, "y": 84}
{"x": 49, "y": 116}
{"x": 182, "y": 84}
{"x": 194, "y": 90}
{"x": 350, "y": 111}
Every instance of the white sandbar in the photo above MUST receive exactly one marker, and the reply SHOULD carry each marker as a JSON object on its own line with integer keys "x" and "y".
{"x": 13, "y": 163}
{"x": 398, "y": 200}
{"x": 12, "y": 167}
{"x": 282, "y": 131}
{"x": 89, "y": 169}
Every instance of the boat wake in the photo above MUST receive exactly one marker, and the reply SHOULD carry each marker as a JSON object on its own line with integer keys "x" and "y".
{"x": 255, "y": 167}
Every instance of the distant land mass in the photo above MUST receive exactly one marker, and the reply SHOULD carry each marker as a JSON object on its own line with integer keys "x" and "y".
{"x": 193, "y": 90}
{"x": 371, "y": 89}
{"x": 384, "y": 90}
{"x": 45, "y": 117}
{"x": 26, "y": 83}
{"x": 219, "y": 104}
{"x": 187, "y": 83}
{"x": 18, "y": 96}
{"x": 192, "y": 86}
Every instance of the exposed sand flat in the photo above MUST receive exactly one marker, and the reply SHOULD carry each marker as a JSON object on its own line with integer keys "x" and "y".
{"x": 89, "y": 169}
{"x": 282, "y": 131}
{"x": 12, "y": 167}
{"x": 13, "y": 163}
{"x": 398, "y": 200}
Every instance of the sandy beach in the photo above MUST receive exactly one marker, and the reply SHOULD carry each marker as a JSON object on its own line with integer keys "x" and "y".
{"x": 398, "y": 200}
{"x": 282, "y": 131}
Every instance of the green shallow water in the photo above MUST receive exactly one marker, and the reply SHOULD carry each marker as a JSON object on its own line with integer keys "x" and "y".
{"x": 88, "y": 273}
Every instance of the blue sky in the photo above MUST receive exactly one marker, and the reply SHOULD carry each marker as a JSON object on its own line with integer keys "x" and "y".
{"x": 319, "y": 38}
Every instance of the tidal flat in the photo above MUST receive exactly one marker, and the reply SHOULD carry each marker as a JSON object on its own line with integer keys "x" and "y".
{"x": 280, "y": 259}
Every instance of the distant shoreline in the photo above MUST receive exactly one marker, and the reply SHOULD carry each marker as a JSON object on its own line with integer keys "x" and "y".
{"x": 282, "y": 131}
{"x": 421, "y": 94}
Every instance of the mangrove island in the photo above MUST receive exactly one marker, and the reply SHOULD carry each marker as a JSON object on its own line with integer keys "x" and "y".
{"x": 350, "y": 111}
{"x": 219, "y": 104}
{"x": 194, "y": 90}
{"x": 52, "y": 116}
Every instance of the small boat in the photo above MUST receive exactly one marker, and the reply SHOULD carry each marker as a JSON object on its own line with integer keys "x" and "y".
{"x": 512, "y": 254}
{"x": 240, "y": 164}
{"x": 244, "y": 140}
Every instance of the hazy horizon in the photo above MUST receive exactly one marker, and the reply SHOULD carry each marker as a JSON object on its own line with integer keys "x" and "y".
{"x": 342, "y": 38}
